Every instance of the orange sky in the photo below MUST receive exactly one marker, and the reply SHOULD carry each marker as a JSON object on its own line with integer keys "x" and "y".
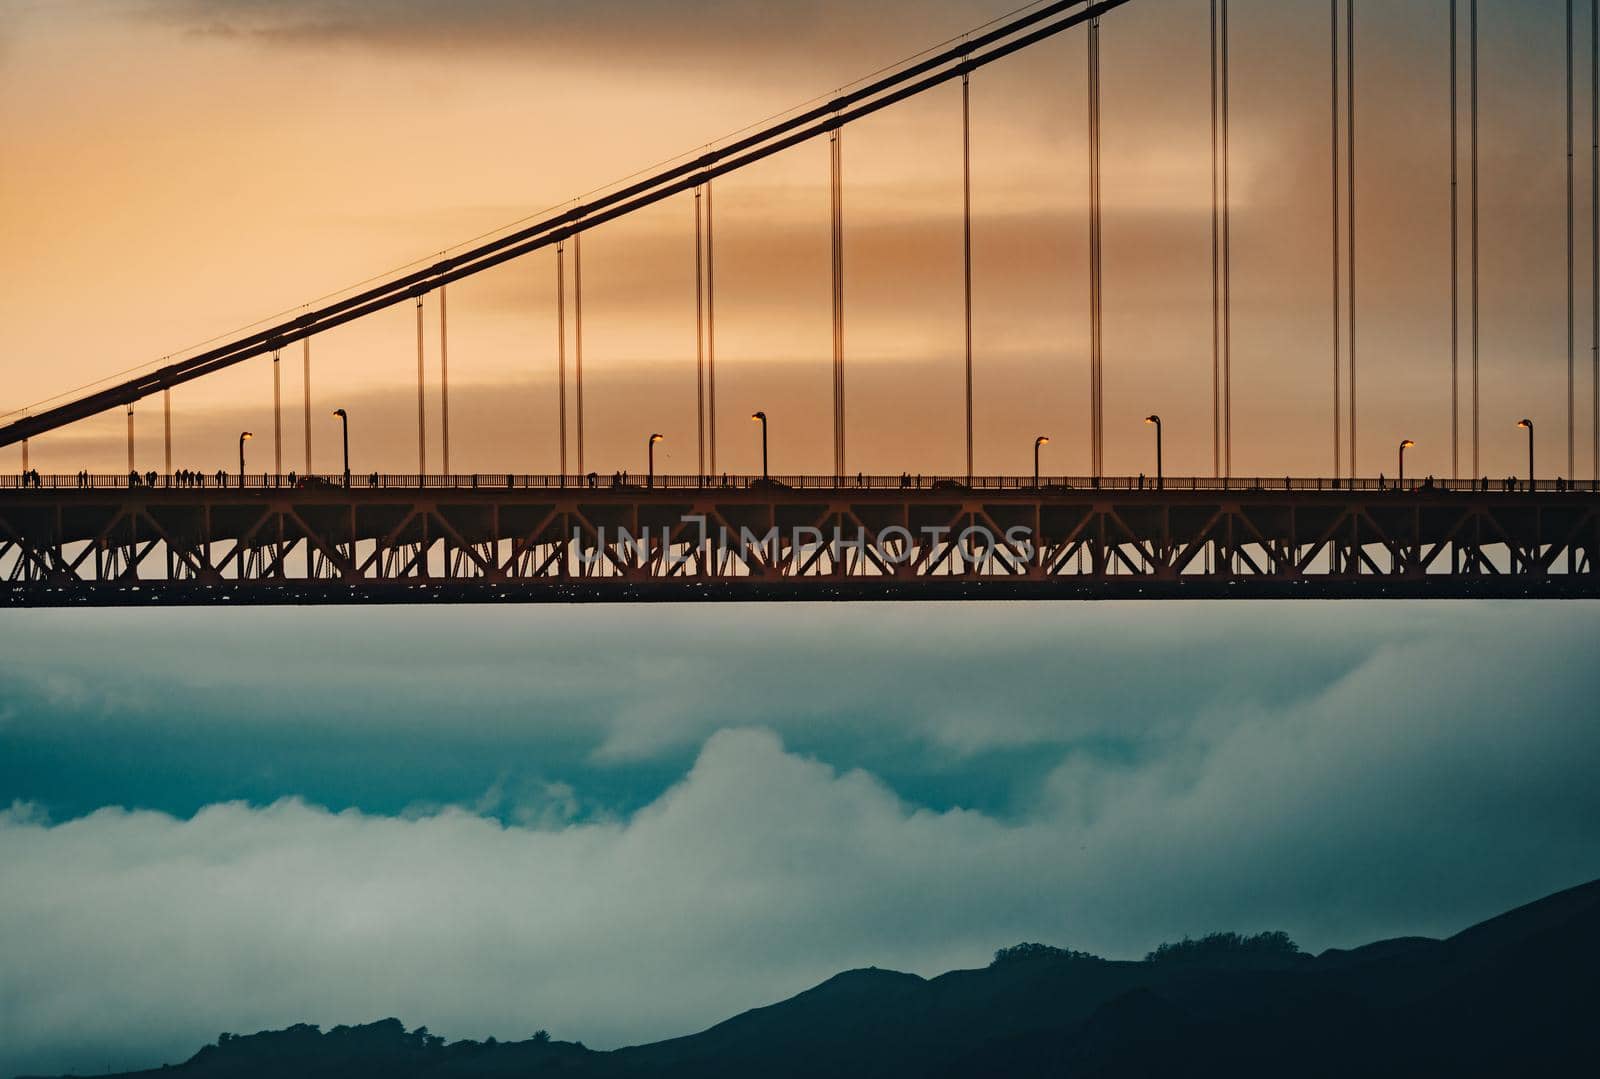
{"x": 170, "y": 171}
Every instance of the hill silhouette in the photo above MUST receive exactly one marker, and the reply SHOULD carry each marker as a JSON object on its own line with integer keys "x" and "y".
{"x": 1515, "y": 995}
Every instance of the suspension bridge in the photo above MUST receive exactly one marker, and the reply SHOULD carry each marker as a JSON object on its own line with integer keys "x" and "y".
{"x": 309, "y": 536}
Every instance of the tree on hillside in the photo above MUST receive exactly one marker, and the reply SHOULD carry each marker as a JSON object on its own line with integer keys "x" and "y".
{"x": 1020, "y": 952}
{"x": 1222, "y": 946}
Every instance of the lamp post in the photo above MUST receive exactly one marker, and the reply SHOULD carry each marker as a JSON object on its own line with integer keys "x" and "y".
{"x": 1405, "y": 444}
{"x": 1042, "y": 440}
{"x": 761, "y": 418}
{"x": 650, "y": 474}
{"x": 344, "y": 423}
{"x": 244, "y": 436}
{"x": 1529, "y": 425}
{"x": 1153, "y": 418}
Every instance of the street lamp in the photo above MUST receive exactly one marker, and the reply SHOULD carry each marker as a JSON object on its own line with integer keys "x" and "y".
{"x": 1529, "y": 425}
{"x": 344, "y": 423}
{"x": 1152, "y": 418}
{"x": 243, "y": 437}
{"x": 1405, "y": 444}
{"x": 761, "y": 418}
{"x": 1042, "y": 440}
{"x": 650, "y": 480}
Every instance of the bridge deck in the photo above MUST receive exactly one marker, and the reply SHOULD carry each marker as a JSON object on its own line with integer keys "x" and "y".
{"x": 808, "y": 539}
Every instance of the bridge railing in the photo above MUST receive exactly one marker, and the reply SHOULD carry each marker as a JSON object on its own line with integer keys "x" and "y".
{"x": 259, "y": 481}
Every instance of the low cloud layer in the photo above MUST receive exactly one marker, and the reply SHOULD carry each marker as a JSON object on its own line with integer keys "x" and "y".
{"x": 952, "y": 705}
{"x": 1440, "y": 780}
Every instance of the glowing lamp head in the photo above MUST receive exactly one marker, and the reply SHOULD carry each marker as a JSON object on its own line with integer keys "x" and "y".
{"x": 656, "y": 438}
{"x": 1526, "y": 424}
{"x": 1406, "y": 444}
{"x": 1152, "y": 418}
{"x": 245, "y": 436}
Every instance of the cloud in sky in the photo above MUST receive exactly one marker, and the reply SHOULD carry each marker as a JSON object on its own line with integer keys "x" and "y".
{"x": 1443, "y": 777}
{"x": 394, "y": 130}
{"x": 950, "y": 706}
{"x": 642, "y": 28}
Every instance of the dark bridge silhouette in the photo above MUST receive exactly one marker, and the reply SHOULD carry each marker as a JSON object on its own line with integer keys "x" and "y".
{"x": 278, "y": 537}
{"x": 545, "y": 538}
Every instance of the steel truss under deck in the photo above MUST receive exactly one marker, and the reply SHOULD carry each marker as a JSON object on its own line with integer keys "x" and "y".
{"x": 145, "y": 545}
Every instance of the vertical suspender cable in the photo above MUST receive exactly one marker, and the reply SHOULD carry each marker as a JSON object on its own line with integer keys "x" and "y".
{"x": 444, "y": 379}
{"x": 1472, "y": 79}
{"x": 277, "y": 413}
{"x": 711, "y": 336}
{"x": 1216, "y": 273}
{"x": 836, "y": 170}
{"x": 422, "y": 404}
{"x": 1099, "y": 271}
{"x": 1095, "y": 252}
{"x": 1227, "y": 269}
{"x": 305, "y": 380}
{"x": 130, "y": 436}
{"x": 966, "y": 241}
{"x": 1089, "y": 106}
{"x": 833, "y": 278}
{"x": 561, "y": 354}
{"x": 1216, "y": 280}
{"x": 699, "y": 341}
{"x": 577, "y": 337}
{"x": 1594, "y": 227}
{"x": 1096, "y": 440}
{"x": 1455, "y": 263}
{"x": 1350, "y": 200}
{"x": 839, "y": 288}
{"x": 1572, "y": 415}
{"x": 25, "y": 456}
{"x": 1338, "y": 418}
{"x": 166, "y": 416}
{"x": 1094, "y": 433}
